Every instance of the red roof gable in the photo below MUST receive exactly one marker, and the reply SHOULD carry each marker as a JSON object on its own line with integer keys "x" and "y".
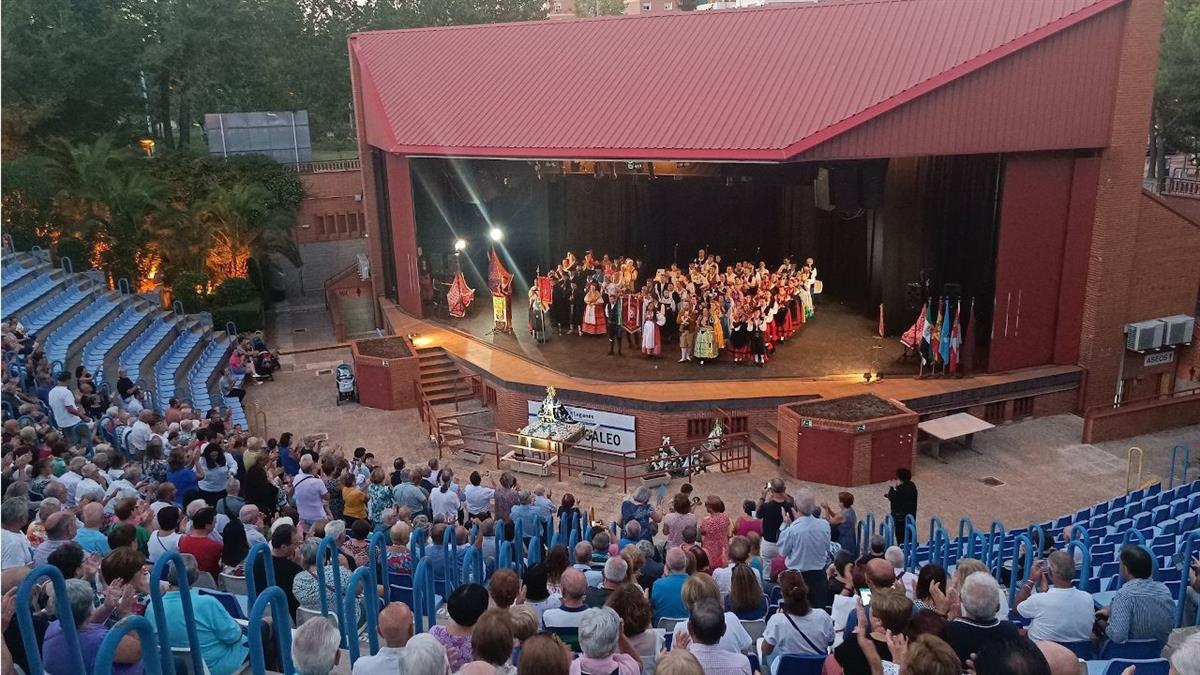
{"x": 760, "y": 84}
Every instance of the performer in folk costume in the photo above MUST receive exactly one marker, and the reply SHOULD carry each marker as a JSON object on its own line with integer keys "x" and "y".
{"x": 589, "y": 261}
{"x": 705, "y": 345}
{"x": 758, "y": 346}
{"x": 560, "y": 307}
{"x": 537, "y": 315}
{"x": 568, "y": 262}
{"x": 718, "y": 327}
{"x": 686, "y": 321}
{"x": 593, "y": 312}
{"x": 500, "y": 283}
{"x": 578, "y": 293}
{"x": 652, "y": 330}
{"x": 739, "y": 339}
{"x": 612, "y": 321}
{"x": 631, "y": 318}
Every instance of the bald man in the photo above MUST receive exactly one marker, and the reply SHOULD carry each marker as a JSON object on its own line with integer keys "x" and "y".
{"x": 60, "y": 528}
{"x": 666, "y": 595}
{"x": 1062, "y": 660}
{"x": 251, "y": 519}
{"x": 395, "y": 629}
{"x": 89, "y": 537}
{"x": 574, "y": 591}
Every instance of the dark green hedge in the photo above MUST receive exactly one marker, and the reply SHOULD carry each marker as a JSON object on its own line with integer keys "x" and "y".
{"x": 247, "y": 315}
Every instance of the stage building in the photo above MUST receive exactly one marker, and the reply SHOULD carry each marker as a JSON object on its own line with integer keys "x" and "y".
{"x": 991, "y": 152}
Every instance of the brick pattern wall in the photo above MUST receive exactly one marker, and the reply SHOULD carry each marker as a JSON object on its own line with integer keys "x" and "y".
{"x": 333, "y": 208}
{"x": 1166, "y": 263}
{"x": 1118, "y": 197}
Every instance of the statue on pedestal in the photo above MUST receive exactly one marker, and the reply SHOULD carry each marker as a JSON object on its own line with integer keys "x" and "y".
{"x": 552, "y": 410}
{"x": 667, "y": 459}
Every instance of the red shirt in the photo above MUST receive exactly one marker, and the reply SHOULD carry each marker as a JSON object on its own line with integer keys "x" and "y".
{"x": 207, "y": 552}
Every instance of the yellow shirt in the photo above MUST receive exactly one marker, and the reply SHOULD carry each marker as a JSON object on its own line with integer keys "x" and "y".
{"x": 356, "y": 503}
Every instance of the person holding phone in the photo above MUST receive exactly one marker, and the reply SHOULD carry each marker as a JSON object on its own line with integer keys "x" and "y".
{"x": 771, "y": 508}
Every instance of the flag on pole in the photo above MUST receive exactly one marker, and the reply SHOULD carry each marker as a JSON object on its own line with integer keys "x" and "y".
{"x": 966, "y": 359}
{"x": 545, "y": 289}
{"x": 956, "y": 337}
{"x": 927, "y": 335}
{"x": 936, "y": 336}
{"x": 944, "y": 341}
{"x": 499, "y": 279}
{"x": 912, "y": 337}
{"x": 881, "y": 328}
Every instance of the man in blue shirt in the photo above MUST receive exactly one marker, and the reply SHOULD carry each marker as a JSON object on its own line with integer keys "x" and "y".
{"x": 89, "y": 537}
{"x": 804, "y": 544}
{"x": 666, "y": 595}
{"x": 528, "y": 515}
{"x": 436, "y": 551}
{"x": 1142, "y": 608}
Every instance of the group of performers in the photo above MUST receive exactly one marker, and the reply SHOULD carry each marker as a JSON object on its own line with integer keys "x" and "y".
{"x": 744, "y": 310}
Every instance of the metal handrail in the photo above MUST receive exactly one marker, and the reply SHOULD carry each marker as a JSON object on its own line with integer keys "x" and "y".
{"x": 327, "y": 550}
{"x": 1187, "y": 461}
{"x": 160, "y": 618}
{"x": 363, "y": 577}
{"x": 259, "y": 550}
{"x": 1129, "y": 455}
{"x": 62, "y": 605}
{"x": 274, "y": 599}
{"x": 151, "y": 665}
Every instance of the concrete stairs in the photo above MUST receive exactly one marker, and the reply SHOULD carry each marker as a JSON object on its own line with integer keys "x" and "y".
{"x": 441, "y": 381}
{"x": 765, "y": 439}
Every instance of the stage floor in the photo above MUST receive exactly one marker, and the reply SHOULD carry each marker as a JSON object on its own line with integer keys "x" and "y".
{"x": 836, "y": 343}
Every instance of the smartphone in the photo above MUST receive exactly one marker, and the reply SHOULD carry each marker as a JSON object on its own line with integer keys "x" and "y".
{"x": 865, "y": 594}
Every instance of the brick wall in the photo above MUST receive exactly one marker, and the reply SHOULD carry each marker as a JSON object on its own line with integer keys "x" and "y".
{"x": 1141, "y": 418}
{"x": 1118, "y": 197}
{"x": 1166, "y": 263}
{"x": 333, "y": 208}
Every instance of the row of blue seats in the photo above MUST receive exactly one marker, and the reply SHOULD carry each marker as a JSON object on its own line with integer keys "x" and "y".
{"x": 95, "y": 353}
{"x": 137, "y": 351}
{"x": 45, "y": 313}
{"x": 15, "y": 271}
{"x": 167, "y": 368}
{"x": 18, "y": 300}
{"x": 60, "y": 341}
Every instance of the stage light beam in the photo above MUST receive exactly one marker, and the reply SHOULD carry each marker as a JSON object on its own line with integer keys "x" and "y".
{"x": 460, "y": 245}
{"x": 496, "y": 234}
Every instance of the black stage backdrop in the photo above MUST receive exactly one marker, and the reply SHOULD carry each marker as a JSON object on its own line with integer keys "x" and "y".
{"x": 936, "y": 213}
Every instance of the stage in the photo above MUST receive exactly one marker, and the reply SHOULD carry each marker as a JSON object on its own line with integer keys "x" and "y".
{"x": 836, "y": 343}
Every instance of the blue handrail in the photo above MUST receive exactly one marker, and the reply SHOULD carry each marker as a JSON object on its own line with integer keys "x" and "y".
{"x": 472, "y": 567}
{"x": 174, "y": 559}
{"x": 964, "y": 536}
{"x": 450, "y": 555}
{"x": 1187, "y": 460}
{"x": 934, "y": 523}
{"x": 1085, "y": 567}
{"x": 62, "y": 606}
{"x": 377, "y": 553}
{"x": 274, "y": 598}
{"x": 151, "y": 665}
{"x": 327, "y": 550}
{"x": 504, "y": 557}
{"x": 910, "y": 537}
{"x": 1182, "y": 594}
{"x": 424, "y": 602}
{"x": 1038, "y": 535}
{"x": 535, "y": 550}
{"x": 259, "y": 550}
{"x": 417, "y": 547}
{"x": 1134, "y": 533}
{"x": 1014, "y": 580}
{"x": 363, "y": 577}
{"x": 995, "y": 546}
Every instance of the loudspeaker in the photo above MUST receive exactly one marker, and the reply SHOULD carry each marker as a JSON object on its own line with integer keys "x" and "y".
{"x": 821, "y": 197}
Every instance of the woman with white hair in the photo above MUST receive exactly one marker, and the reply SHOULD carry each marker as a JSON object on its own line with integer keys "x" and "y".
{"x": 305, "y": 585}
{"x": 1186, "y": 658}
{"x": 424, "y": 655}
{"x": 315, "y": 647}
{"x": 605, "y": 648}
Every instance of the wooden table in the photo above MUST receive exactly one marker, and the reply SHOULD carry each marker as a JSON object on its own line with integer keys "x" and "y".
{"x": 950, "y": 428}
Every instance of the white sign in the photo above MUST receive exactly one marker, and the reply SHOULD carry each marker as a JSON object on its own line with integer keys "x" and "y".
{"x": 1159, "y": 359}
{"x": 605, "y": 430}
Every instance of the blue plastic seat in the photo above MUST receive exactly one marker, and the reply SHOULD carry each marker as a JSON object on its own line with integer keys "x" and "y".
{"x": 1131, "y": 649}
{"x": 1141, "y": 666}
{"x": 1084, "y": 649}
{"x": 800, "y": 664}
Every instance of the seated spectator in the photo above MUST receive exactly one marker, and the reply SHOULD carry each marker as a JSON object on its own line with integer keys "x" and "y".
{"x": 1142, "y": 608}
{"x": 358, "y": 545}
{"x": 652, "y": 568}
{"x": 395, "y": 627}
{"x": 929, "y": 576}
{"x": 738, "y": 552}
{"x": 425, "y": 655}
{"x": 399, "y": 558}
{"x": 568, "y": 614}
{"x": 1063, "y": 661}
{"x": 631, "y": 534}
{"x": 544, "y": 654}
{"x": 222, "y": 644}
{"x": 895, "y": 555}
{"x": 980, "y": 624}
{"x": 583, "y": 563}
{"x": 879, "y": 575}
{"x": 605, "y": 648}
{"x": 525, "y": 623}
{"x": 796, "y": 628}
{"x": 89, "y": 625}
{"x": 638, "y": 508}
{"x": 465, "y": 605}
{"x": 930, "y": 655}
{"x": 1186, "y": 658}
{"x": 15, "y": 550}
{"x": 503, "y": 587}
{"x": 252, "y": 522}
{"x": 678, "y": 662}
{"x": 705, "y": 627}
{"x": 666, "y": 594}
{"x": 890, "y": 612}
{"x": 631, "y": 605}
{"x": 700, "y": 586}
{"x": 635, "y": 560}
{"x": 305, "y": 585}
{"x": 128, "y": 566}
{"x": 537, "y": 594}
{"x": 615, "y": 571}
{"x": 1010, "y": 656}
{"x": 746, "y": 599}
{"x": 601, "y": 543}
{"x": 491, "y": 644}
{"x": 200, "y": 544}
{"x": 1058, "y": 612}
{"x": 60, "y": 529}
{"x": 73, "y": 562}
{"x": 315, "y": 646}
{"x": 167, "y": 538}
{"x": 285, "y": 542}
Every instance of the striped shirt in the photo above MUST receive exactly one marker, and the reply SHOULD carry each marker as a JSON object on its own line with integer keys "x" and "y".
{"x": 1140, "y": 610}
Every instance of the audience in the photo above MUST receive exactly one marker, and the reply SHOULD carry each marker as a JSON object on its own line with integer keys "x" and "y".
{"x": 544, "y": 654}
{"x": 1058, "y": 612}
{"x": 315, "y": 646}
{"x": 1142, "y": 608}
{"x": 465, "y": 605}
{"x": 980, "y": 623}
{"x": 706, "y": 627}
{"x": 605, "y": 647}
{"x": 796, "y": 628}
{"x": 491, "y": 644}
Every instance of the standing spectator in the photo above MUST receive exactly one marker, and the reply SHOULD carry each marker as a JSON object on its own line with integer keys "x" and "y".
{"x": 773, "y": 504}
{"x": 67, "y": 415}
{"x": 1142, "y": 608}
{"x": 184, "y": 472}
{"x": 285, "y": 541}
{"x": 705, "y": 627}
{"x": 411, "y": 495}
{"x": 443, "y": 500}
{"x": 90, "y": 628}
{"x": 843, "y": 523}
{"x": 980, "y": 623}
{"x": 678, "y": 519}
{"x": 747, "y": 523}
{"x": 395, "y": 630}
{"x": 478, "y": 497}
{"x": 797, "y": 628}
{"x": 310, "y": 494}
{"x": 666, "y": 595}
{"x": 199, "y": 543}
{"x": 903, "y": 500}
{"x": 379, "y": 495}
{"x": 804, "y": 543}
{"x": 399, "y": 474}
{"x": 1058, "y": 612}
{"x": 714, "y": 532}
{"x": 506, "y": 498}
{"x": 354, "y": 500}
{"x": 219, "y": 467}
{"x": 605, "y": 647}
{"x": 637, "y": 508}
{"x": 166, "y": 539}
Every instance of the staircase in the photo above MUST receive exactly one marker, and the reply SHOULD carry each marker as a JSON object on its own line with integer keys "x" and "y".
{"x": 441, "y": 381}
{"x": 765, "y": 439}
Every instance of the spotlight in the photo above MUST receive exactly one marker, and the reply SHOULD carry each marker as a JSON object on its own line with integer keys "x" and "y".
{"x": 496, "y": 234}
{"x": 460, "y": 245}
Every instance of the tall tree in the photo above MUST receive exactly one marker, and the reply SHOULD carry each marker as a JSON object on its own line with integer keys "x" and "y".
{"x": 1176, "y": 122}
{"x": 240, "y": 227}
{"x": 599, "y": 7}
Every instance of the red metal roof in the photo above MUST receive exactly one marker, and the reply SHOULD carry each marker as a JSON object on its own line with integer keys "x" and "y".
{"x": 760, "y": 84}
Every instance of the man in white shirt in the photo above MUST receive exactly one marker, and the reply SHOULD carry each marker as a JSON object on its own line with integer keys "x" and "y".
{"x": 66, "y": 414}
{"x": 125, "y": 486}
{"x": 583, "y": 563}
{"x": 91, "y": 480}
{"x": 140, "y": 433}
{"x": 14, "y": 546}
{"x": 395, "y": 629}
{"x": 739, "y": 552}
{"x": 1058, "y": 612}
{"x": 478, "y": 497}
{"x": 312, "y": 497}
{"x": 574, "y": 591}
{"x": 71, "y": 478}
{"x": 541, "y": 502}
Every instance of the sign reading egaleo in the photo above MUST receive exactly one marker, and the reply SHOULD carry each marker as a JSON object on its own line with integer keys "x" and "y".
{"x": 605, "y": 430}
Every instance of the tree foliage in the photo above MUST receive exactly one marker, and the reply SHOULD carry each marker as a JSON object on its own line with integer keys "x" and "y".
{"x": 1176, "y": 122}
{"x": 599, "y": 7}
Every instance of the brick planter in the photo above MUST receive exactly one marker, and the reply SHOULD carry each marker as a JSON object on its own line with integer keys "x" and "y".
{"x": 387, "y": 370}
{"x": 853, "y": 440}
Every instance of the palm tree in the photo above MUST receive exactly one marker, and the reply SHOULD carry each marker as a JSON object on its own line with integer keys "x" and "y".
{"x": 240, "y": 227}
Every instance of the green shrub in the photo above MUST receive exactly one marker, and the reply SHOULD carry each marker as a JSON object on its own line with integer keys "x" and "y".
{"x": 234, "y": 291}
{"x": 248, "y": 316}
{"x": 76, "y": 250}
{"x": 183, "y": 289}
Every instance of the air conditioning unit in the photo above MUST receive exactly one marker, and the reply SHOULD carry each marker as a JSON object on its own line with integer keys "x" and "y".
{"x": 1144, "y": 335}
{"x": 1177, "y": 330}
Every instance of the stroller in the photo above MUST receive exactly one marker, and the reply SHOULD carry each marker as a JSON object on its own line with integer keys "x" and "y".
{"x": 347, "y": 388}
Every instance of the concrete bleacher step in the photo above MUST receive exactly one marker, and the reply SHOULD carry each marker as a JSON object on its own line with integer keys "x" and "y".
{"x": 29, "y": 297}
{"x": 79, "y": 335}
{"x": 179, "y": 374}
{"x": 101, "y": 351}
{"x": 81, "y": 300}
{"x": 765, "y": 439}
{"x": 143, "y": 352}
